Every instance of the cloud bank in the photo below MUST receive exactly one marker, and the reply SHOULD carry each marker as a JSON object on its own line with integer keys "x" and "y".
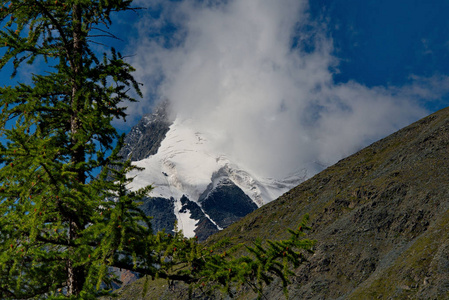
{"x": 258, "y": 75}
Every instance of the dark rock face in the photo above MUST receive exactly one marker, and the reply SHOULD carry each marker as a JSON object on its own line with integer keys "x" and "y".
{"x": 145, "y": 138}
{"x": 205, "y": 227}
{"x": 162, "y": 211}
{"x": 226, "y": 203}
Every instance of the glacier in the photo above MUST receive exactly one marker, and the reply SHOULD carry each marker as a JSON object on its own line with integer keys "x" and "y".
{"x": 188, "y": 164}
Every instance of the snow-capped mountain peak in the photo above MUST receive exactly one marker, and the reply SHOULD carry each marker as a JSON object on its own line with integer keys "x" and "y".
{"x": 188, "y": 171}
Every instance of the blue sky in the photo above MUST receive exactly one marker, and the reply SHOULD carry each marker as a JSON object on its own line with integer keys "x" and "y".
{"x": 295, "y": 80}
{"x": 383, "y": 42}
{"x": 319, "y": 78}
{"x": 377, "y": 43}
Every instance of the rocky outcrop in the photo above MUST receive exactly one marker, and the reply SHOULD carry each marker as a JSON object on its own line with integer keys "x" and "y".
{"x": 225, "y": 202}
{"x": 161, "y": 211}
{"x": 205, "y": 227}
{"x": 145, "y": 138}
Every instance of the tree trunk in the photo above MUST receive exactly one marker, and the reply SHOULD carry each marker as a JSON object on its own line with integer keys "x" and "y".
{"x": 75, "y": 279}
{"x": 76, "y": 275}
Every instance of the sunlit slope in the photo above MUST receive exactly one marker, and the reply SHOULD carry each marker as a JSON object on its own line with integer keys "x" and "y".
{"x": 380, "y": 216}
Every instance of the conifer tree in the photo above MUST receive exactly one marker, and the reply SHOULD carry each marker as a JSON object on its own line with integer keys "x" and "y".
{"x": 61, "y": 226}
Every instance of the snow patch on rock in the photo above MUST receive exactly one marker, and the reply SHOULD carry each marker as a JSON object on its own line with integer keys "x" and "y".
{"x": 187, "y": 162}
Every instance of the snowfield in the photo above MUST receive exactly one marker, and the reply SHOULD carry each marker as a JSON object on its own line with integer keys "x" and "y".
{"x": 187, "y": 162}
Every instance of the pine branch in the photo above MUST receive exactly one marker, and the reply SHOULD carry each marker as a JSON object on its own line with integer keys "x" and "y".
{"x": 59, "y": 28}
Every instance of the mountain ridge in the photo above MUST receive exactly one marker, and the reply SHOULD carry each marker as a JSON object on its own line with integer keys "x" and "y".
{"x": 380, "y": 218}
{"x": 373, "y": 206}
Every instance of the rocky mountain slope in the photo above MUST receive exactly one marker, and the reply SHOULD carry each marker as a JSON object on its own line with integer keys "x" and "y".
{"x": 380, "y": 216}
{"x": 145, "y": 138}
{"x": 194, "y": 183}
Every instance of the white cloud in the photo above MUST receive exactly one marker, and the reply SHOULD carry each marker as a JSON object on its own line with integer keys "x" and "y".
{"x": 231, "y": 68}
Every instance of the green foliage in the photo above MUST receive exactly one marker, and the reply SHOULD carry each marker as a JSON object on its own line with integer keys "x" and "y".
{"x": 61, "y": 227}
{"x": 229, "y": 268}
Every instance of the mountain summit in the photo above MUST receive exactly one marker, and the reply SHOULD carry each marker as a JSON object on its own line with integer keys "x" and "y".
{"x": 195, "y": 185}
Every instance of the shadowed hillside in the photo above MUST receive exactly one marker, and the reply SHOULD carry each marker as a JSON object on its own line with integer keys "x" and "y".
{"x": 380, "y": 217}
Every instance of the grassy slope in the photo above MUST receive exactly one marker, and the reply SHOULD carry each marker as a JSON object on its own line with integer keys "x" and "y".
{"x": 380, "y": 217}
